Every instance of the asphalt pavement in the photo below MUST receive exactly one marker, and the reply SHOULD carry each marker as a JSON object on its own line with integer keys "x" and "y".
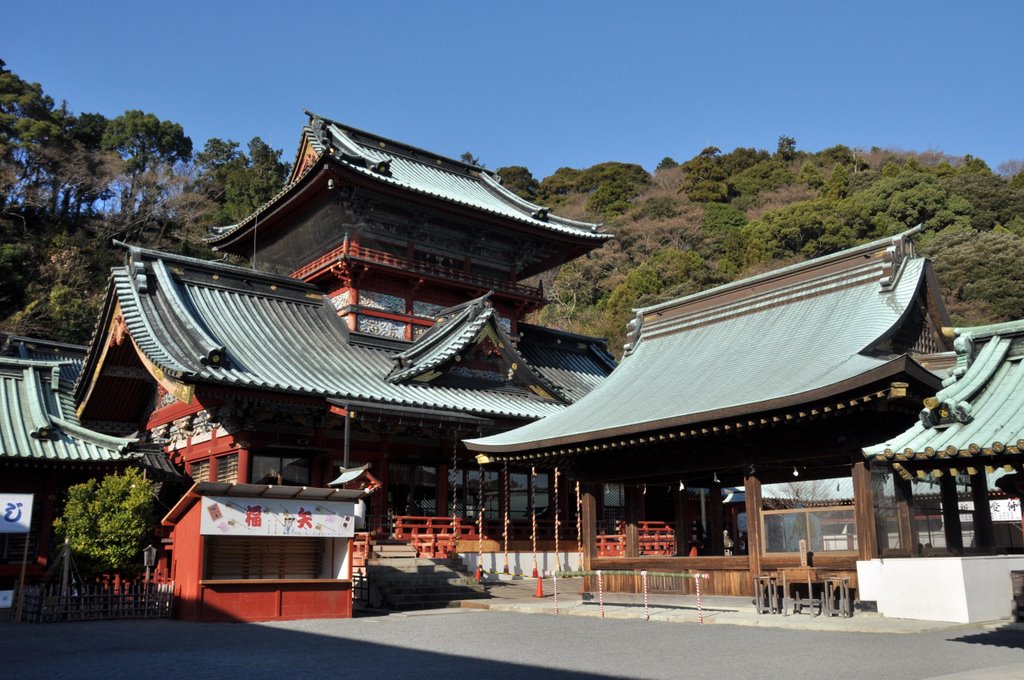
{"x": 520, "y": 636}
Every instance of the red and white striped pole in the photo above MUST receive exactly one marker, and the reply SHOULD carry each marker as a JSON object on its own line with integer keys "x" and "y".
{"x": 600, "y": 592}
{"x": 647, "y": 611}
{"x": 700, "y": 610}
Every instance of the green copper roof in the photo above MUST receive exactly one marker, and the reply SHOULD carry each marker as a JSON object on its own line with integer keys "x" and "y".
{"x": 207, "y": 322}
{"x": 980, "y": 410}
{"x": 401, "y": 165}
{"x": 802, "y": 333}
{"x": 37, "y": 420}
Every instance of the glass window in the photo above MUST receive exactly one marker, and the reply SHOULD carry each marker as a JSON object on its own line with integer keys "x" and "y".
{"x": 824, "y": 530}
{"x": 282, "y": 470}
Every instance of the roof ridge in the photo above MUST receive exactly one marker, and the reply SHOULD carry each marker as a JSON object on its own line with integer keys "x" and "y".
{"x": 900, "y": 245}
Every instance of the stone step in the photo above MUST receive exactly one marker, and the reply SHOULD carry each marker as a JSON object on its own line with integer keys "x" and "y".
{"x": 434, "y": 590}
{"x": 440, "y": 580}
{"x": 427, "y": 600}
{"x": 410, "y": 562}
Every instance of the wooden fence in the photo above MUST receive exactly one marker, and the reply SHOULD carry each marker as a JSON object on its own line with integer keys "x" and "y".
{"x": 46, "y": 604}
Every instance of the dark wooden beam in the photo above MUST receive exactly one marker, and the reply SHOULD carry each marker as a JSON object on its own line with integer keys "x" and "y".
{"x": 864, "y": 511}
{"x": 682, "y": 522}
{"x": 716, "y": 519}
{"x": 633, "y": 500}
{"x": 752, "y": 491}
{"x": 984, "y": 532}
{"x": 951, "y": 514}
{"x": 905, "y": 516}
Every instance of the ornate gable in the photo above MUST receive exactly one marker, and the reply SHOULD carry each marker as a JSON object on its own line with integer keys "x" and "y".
{"x": 469, "y": 348}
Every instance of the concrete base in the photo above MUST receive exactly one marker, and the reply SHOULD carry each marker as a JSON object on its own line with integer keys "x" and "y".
{"x": 953, "y": 589}
{"x": 521, "y": 563}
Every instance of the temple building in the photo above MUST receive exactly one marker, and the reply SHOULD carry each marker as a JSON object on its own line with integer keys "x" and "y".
{"x": 44, "y": 449}
{"x": 377, "y": 320}
{"x": 766, "y": 388}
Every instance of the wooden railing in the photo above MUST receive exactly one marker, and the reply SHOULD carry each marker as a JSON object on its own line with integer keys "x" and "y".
{"x": 656, "y": 538}
{"x": 82, "y": 602}
{"x": 356, "y": 252}
{"x": 434, "y": 536}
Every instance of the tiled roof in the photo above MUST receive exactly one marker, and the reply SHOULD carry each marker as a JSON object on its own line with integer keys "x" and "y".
{"x": 804, "y": 332}
{"x": 463, "y": 327}
{"x": 980, "y": 410}
{"x": 38, "y": 421}
{"x": 207, "y": 322}
{"x": 576, "y": 363}
{"x": 401, "y": 165}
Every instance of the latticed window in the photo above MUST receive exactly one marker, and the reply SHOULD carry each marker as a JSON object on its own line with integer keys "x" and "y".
{"x": 227, "y": 469}
{"x": 201, "y": 471}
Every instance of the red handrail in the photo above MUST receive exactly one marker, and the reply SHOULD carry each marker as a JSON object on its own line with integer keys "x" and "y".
{"x": 357, "y": 252}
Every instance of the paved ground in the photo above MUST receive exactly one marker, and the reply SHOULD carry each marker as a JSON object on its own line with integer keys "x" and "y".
{"x": 473, "y": 643}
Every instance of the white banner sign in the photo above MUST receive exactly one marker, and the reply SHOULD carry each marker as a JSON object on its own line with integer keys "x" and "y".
{"x": 15, "y": 513}
{"x": 1002, "y": 509}
{"x": 231, "y": 516}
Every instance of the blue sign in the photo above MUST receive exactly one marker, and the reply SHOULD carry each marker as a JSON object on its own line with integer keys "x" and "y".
{"x": 15, "y": 513}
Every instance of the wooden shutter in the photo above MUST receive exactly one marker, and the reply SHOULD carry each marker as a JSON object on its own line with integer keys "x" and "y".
{"x": 227, "y": 469}
{"x": 244, "y": 557}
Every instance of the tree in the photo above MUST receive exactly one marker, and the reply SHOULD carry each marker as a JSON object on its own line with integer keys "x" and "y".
{"x": 838, "y": 183}
{"x": 705, "y": 177}
{"x": 149, "y": 148}
{"x": 785, "y": 150}
{"x": 108, "y": 522}
{"x": 666, "y": 163}
{"x": 520, "y": 181}
{"x": 468, "y": 158}
{"x": 810, "y": 175}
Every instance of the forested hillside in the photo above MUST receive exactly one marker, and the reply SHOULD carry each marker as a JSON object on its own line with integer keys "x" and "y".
{"x": 69, "y": 183}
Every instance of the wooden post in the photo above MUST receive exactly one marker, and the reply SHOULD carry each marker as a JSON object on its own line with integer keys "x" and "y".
{"x": 716, "y": 518}
{"x": 905, "y": 516}
{"x": 984, "y": 532}
{"x": 682, "y": 522}
{"x": 589, "y": 526}
{"x": 951, "y": 514}
{"x": 864, "y": 511}
{"x": 632, "y": 528}
{"x": 752, "y": 493}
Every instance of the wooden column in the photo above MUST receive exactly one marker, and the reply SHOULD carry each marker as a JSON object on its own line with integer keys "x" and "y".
{"x": 682, "y": 522}
{"x": 441, "y": 491}
{"x": 632, "y": 529}
{"x": 951, "y": 514}
{"x": 588, "y": 498}
{"x": 716, "y": 519}
{"x": 752, "y": 493}
{"x": 984, "y": 533}
{"x": 864, "y": 511}
{"x": 905, "y": 516}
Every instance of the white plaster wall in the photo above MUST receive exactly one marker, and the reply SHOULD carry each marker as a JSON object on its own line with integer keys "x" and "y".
{"x": 521, "y": 563}
{"x": 953, "y": 589}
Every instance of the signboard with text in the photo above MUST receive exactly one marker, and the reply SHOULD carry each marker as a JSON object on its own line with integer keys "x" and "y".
{"x": 1002, "y": 509}
{"x": 233, "y": 516}
{"x": 15, "y": 513}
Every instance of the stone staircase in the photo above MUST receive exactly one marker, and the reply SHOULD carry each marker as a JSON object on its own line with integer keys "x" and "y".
{"x": 400, "y": 580}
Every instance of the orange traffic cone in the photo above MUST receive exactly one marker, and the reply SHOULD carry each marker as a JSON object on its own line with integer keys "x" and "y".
{"x": 540, "y": 588}
{"x": 479, "y": 573}
{"x": 535, "y": 571}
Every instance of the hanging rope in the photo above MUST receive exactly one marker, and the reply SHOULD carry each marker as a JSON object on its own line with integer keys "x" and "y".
{"x": 504, "y": 539}
{"x": 454, "y": 498}
{"x": 579, "y": 525}
{"x": 533, "y": 517}
{"x": 554, "y": 584}
{"x": 600, "y": 592}
{"x": 480, "y": 523}
{"x": 558, "y": 559}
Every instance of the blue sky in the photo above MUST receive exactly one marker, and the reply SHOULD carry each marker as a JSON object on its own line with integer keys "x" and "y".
{"x": 545, "y": 84}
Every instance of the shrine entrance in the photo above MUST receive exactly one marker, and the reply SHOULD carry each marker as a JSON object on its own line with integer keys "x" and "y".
{"x": 412, "y": 489}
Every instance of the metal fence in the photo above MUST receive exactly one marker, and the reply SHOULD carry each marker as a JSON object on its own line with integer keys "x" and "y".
{"x": 47, "y": 603}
